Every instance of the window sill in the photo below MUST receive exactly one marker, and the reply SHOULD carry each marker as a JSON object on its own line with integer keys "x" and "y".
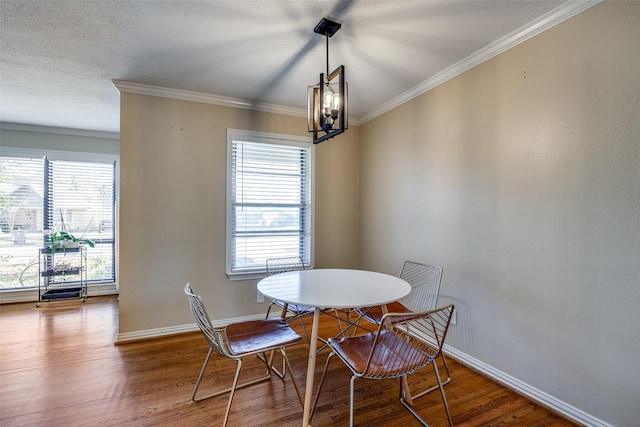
{"x": 234, "y": 277}
{"x": 31, "y": 295}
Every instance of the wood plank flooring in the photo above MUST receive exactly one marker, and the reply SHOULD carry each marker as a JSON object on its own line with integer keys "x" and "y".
{"x": 59, "y": 367}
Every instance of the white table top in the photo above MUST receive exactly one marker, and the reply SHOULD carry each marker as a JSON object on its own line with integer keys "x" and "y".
{"x": 334, "y": 288}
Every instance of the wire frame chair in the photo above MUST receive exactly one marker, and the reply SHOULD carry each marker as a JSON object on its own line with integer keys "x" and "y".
{"x": 403, "y": 343}
{"x": 239, "y": 340}
{"x": 425, "y": 287}
{"x": 283, "y": 265}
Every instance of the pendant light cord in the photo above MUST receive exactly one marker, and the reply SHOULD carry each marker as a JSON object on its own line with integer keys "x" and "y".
{"x": 327, "y": 37}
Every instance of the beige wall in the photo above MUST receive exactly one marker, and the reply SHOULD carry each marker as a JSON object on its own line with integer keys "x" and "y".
{"x": 172, "y": 208}
{"x": 521, "y": 177}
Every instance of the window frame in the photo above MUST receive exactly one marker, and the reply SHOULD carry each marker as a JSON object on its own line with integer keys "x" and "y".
{"x": 274, "y": 139}
{"x": 82, "y": 157}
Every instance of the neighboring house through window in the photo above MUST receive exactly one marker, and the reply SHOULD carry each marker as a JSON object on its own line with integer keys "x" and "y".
{"x": 269, "y": 199}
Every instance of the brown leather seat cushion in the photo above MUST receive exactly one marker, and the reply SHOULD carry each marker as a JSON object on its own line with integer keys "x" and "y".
{"x": 374, "y": 315}
{"x": 393, "y": 354}
{"x": 256, "y": 335}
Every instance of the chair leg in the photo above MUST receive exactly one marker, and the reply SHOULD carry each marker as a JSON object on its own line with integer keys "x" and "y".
{"x": 285, "y": 360}
{"x": 436, "y": 386}
{"x": 444, "y": 398}
{"x": 226, "y": 390}
{"x": 282, "y": 373}
{"x": 348, "y": 323}
{"x": 404, "y": 390}
{"x": 204, "y": 366}
{"x": 269, "y": 310}
{"x": 444, "y": 359}
{"x": 304, "y": 329}
{"x": 235, "y": 386}
{"x": 440, "y": 385}
{"x": 324, "y": 374}
{"x": 351, "y": 395}
{"x": 446, "y": 368}
{"x": 417, "y": 417}
{"x": 283, "y": 314}
{"x": 232, "y": 392}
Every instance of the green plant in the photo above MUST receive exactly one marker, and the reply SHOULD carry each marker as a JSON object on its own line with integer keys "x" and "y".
{"x": 57, "y": 240}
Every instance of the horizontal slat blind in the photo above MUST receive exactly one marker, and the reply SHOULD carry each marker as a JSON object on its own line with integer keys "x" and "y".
{"x": 270, "y": 203}
{"x": 80, "y": 196}
{"x": 80, "y": 199}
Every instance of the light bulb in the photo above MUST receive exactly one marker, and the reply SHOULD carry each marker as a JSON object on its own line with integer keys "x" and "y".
{"x": 328, "y": 99}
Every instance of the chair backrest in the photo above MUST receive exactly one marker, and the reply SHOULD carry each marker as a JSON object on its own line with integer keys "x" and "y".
{"x": 203, "y": 320}
{"x": 282, "y": 265}
{"x": 425, "y": 285}
{"x": 408, "y": 343}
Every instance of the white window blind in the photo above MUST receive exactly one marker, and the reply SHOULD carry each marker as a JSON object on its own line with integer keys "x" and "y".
{"x": 79, "y": 198}
{"x": 269, "y": 200}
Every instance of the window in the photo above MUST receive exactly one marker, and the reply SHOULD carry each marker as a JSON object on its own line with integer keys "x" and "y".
{"x": 41, "y": 194}
{"x": 269, "y": 212}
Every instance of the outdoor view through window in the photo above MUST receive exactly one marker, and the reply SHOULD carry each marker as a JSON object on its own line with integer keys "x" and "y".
{"x": 39, "y": 197}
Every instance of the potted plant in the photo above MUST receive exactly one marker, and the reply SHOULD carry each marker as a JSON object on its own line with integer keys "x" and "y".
{"x": 64, "y": 240}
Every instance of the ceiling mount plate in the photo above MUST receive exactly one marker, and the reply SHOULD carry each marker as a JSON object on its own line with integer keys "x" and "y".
{"x": 327, "y": 27}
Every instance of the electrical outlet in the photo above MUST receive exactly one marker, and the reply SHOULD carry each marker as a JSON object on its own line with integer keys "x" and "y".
{"x": 260, "y": 297}
{"x": 454, "y": 317}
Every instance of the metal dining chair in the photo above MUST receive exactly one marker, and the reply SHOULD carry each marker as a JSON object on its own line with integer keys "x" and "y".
{"x": 403, "y": 343}
{"x": 283, "y": 265}
{"x": 288, "y": 312}
{"x": 425, "y": 287}
{"x": 239, "y": 340}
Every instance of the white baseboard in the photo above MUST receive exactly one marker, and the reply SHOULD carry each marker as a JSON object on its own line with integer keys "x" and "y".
{"x": 527, "y": 390}
{"x": 180, "y": 329}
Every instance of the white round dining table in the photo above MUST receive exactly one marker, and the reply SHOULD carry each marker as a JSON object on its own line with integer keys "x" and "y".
{"x": 330, "y": 288}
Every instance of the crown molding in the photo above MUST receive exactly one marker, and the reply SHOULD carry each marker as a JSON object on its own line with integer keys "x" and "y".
{"x": 554, "y": 17}
{"x": 206, "y": 98}
{"x": 59, "y": 130}
{"x": 186, "y": 95}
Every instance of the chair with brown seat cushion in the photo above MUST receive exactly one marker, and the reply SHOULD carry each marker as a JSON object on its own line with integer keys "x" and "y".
{"x": 403, "y": 343}
{"x": 238, "y": 340}
{"x": 289, "y": 311}
{"x": 425, "y": 287}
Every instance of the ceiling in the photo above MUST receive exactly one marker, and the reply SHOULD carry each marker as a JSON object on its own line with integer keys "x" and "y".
{"x": 59, "y": 58}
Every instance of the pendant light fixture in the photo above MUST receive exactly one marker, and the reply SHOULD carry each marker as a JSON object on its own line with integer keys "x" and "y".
{"x": 327, "y": 101}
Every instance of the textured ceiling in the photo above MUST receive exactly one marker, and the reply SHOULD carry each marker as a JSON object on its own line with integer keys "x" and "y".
{"x": 59, "y": 57}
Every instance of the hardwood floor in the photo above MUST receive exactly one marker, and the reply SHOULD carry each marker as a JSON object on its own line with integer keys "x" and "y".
{"x": 59, "y": 367}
